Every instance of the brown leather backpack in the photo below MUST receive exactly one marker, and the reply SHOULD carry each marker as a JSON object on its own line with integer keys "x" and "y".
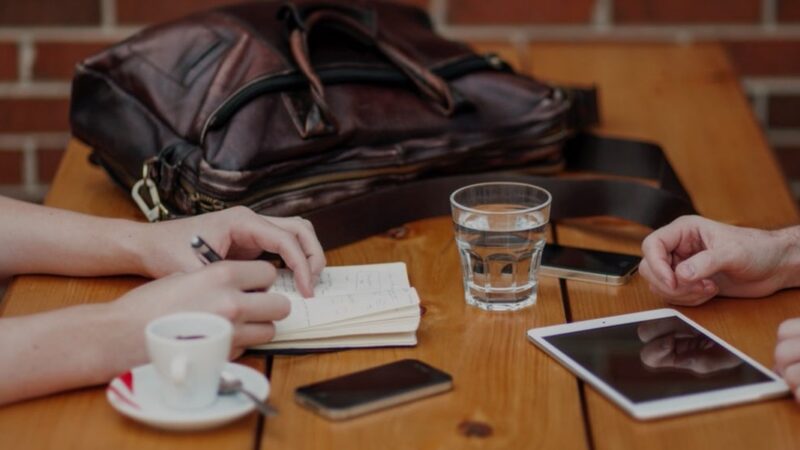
{"x": 339, "y": 108}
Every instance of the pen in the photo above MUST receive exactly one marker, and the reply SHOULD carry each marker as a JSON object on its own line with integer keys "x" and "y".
{"x": 204, "y": 251}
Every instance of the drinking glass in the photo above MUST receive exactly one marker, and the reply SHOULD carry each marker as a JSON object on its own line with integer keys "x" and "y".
{"x": 500, "y": 233}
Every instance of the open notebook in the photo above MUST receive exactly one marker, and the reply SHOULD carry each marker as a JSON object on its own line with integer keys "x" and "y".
{"x": 369, "y": 305}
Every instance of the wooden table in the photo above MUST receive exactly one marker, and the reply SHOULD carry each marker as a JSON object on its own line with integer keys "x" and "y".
{"x": 508, "y": 394}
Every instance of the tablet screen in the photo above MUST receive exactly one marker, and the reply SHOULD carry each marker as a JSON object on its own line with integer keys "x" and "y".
{"x": 656, "y": 359}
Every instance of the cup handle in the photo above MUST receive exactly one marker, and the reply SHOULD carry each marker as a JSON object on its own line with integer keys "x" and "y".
{"x": 178, "y": 369}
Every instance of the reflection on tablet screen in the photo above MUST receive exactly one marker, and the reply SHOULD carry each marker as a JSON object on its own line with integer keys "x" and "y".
{"x": 656, "y": 359}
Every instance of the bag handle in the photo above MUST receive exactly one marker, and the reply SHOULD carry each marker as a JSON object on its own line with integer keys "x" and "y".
{"x": 430, "y": 85}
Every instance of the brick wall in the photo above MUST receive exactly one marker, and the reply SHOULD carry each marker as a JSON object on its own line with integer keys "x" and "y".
{"x": 40, "y": 41}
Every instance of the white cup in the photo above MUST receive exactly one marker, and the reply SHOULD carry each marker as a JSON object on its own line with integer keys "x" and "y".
{"x": 189, "y": 351}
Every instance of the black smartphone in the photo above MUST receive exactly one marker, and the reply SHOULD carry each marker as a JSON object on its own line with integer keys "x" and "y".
{"x": 373, "y": 389}
{"x": 588, "y": 265}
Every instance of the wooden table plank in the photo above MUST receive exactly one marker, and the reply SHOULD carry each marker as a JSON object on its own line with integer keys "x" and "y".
{"x": 702, "y": 120}
{"x": 688, "y": 99}
{"x": 526, "y": 399}
{"x": 83, "y": 419}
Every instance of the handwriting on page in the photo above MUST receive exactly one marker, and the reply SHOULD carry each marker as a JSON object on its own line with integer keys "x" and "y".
{"x": 318, "y": 311}
{"x": 347, "y": 280}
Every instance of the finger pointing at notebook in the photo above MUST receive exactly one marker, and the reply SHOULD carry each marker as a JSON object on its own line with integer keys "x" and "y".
{"x": 304, "y": 232}
{"x": 236, "y": 233}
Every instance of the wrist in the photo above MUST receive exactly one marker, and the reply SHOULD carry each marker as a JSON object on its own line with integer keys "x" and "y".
{"x": 123, "y": 342}
{"x": 789, "y": 246}
{"x": 134, "y": 247}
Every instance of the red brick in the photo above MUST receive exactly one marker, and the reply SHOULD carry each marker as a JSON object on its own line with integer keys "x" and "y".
{"x": 474, "y": 12}
{"x": 33, "y": 114}
{"x": 49, "y": 12}
{"x": 11, "y": 166}
{"x": 789, "y": 160}
{"x": 48, "y": 161}
{"x": 687, "y": 11}
{"x": 789, "y": 11}
{"x": 8, "y": 61}
{"x": 784, "y": 111}
{"x": 56, "y": 60}
{"x": 153, "y": 11}
{"x": 765, "y": 57}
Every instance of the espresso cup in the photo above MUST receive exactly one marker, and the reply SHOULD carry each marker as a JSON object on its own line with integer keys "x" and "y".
{"x": 189, "y": 351}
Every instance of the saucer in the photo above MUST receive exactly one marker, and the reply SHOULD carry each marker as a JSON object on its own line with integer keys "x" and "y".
{"x": 135, "y": 395}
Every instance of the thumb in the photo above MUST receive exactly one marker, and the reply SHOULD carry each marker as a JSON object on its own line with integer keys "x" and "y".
{"x": 701, "y": 265}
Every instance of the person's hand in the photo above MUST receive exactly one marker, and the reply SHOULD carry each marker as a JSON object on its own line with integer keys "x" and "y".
{"x": 787, "y": 354}
{"x": 694, "y": 259}
{"x": 90, "y": 344}
{"x": 235, "y": 233}
{"x": 670, "y": 343}
{"x": 235, "y": 290}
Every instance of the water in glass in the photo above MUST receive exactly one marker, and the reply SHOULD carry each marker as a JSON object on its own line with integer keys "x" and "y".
{"x": 500, "y": 257}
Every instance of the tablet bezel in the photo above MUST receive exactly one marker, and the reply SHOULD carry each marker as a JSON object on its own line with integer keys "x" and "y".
{"x": 662, "y": 407}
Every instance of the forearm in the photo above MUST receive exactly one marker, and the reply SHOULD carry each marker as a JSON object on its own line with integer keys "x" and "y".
{"x": 37, "y": 239}
{"x": 65, "y": 349}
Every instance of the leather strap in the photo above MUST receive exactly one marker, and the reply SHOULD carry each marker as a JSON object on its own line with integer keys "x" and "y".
{"x": 635, "y": 201}
{"x": 430, "y": 85}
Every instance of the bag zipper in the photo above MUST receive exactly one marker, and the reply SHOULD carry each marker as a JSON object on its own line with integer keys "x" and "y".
{"x": 295, "y": 80}
{"x": 203, "y": 201}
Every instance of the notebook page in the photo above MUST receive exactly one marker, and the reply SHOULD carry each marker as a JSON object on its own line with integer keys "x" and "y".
{"x": 342, "y": 280}
{"x": 317, "y": 311}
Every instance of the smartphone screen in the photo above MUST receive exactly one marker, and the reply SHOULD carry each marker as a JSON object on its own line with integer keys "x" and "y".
{"x": 589, "y": 265}
{"x": 373, "y": 389}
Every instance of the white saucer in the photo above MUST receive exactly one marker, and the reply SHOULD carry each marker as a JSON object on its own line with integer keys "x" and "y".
{"x": 135, "y": 395}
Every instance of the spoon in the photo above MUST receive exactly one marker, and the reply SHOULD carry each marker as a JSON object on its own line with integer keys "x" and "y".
{"x": 231, "y": 384}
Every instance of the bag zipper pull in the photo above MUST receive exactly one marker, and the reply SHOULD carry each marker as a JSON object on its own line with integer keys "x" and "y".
{"x": 204, "y": 203}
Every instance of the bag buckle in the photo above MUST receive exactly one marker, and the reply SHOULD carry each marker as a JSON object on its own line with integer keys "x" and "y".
{"x": 157, "y": 211}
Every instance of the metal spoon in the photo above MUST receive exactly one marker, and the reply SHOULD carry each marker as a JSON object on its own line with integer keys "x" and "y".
{"x": 231, "y": 384}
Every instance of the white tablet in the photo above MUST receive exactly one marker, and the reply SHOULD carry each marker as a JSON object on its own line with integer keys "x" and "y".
{"x": 658, "y": 363}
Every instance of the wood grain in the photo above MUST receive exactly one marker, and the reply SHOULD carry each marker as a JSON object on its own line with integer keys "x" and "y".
{"x": 83, "y": 419}
{"x": 686, "y": 99}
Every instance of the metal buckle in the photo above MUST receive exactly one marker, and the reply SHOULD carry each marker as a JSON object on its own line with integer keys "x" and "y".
{"x": 157, "y": 211}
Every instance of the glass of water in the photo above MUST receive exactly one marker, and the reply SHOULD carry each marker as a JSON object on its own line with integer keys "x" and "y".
{"x": 500, "y": 233}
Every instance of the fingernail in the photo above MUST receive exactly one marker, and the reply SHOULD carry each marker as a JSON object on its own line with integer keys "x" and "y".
{"x": 686, "y": 271}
